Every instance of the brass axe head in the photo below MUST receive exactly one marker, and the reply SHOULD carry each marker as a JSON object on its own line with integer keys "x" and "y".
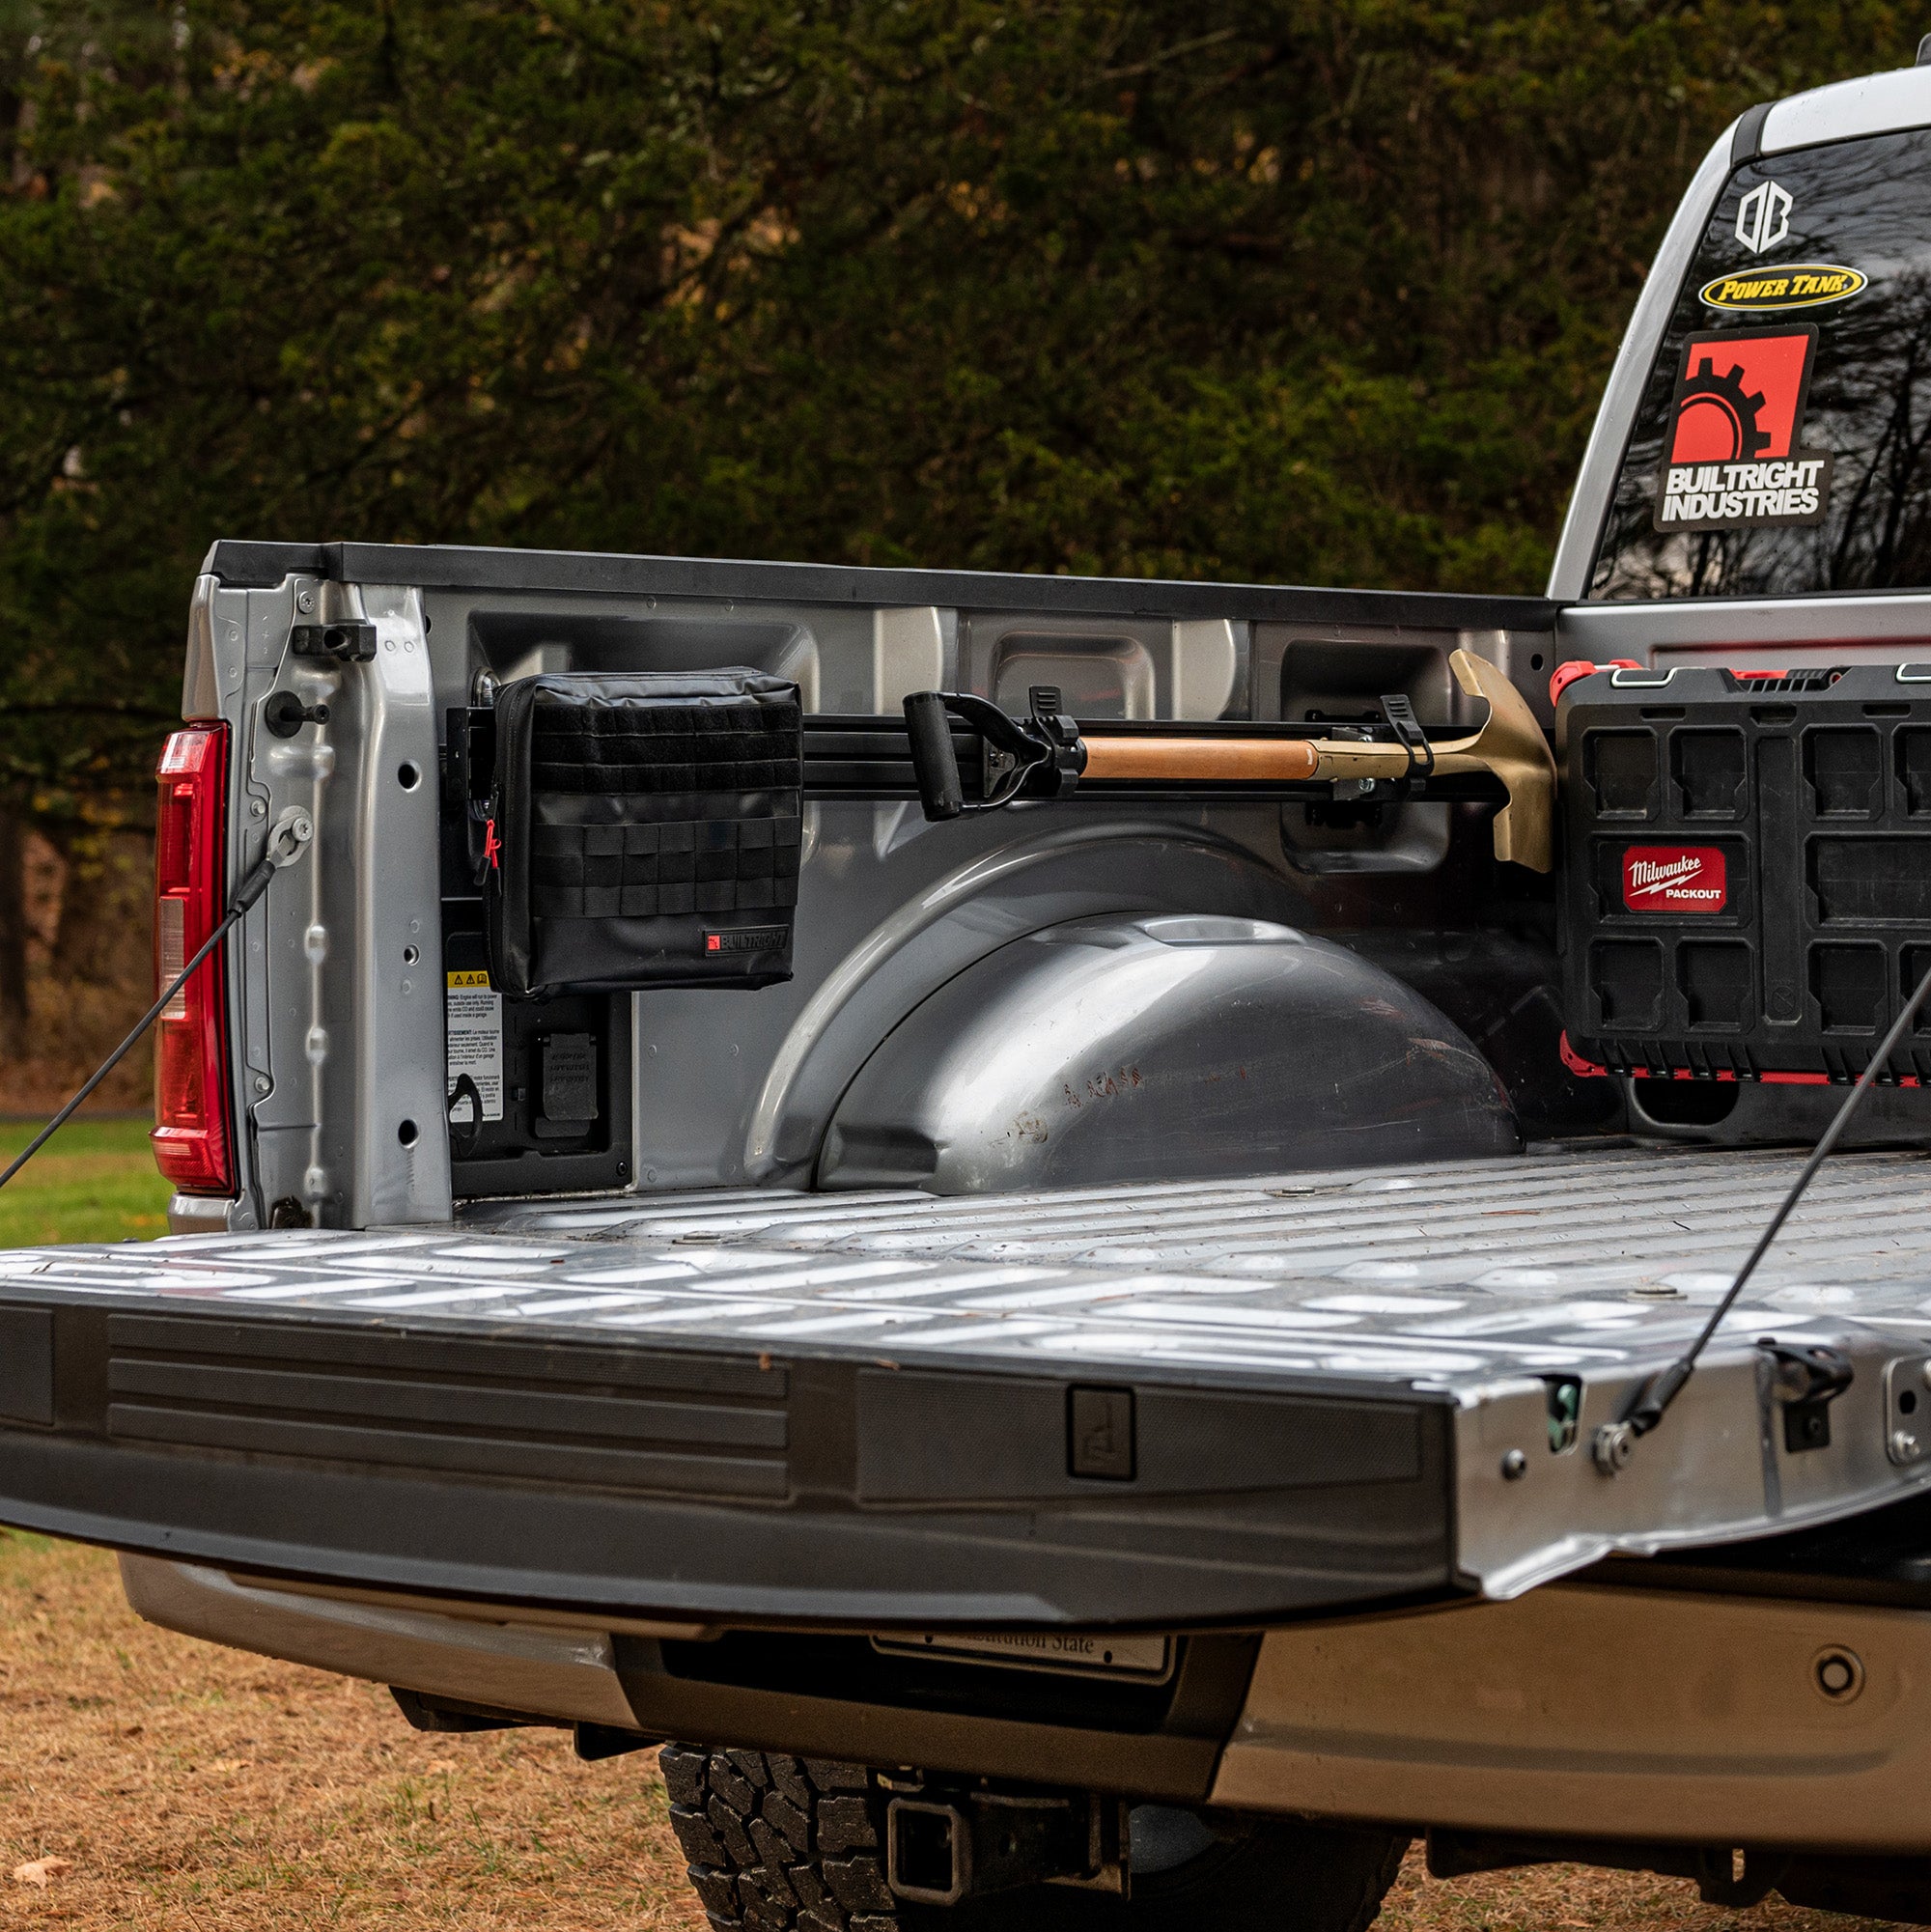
{"x": 1509, "y": 745}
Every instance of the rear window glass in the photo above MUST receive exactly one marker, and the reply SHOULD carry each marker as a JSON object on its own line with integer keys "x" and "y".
{"x": 1784, "y": 443}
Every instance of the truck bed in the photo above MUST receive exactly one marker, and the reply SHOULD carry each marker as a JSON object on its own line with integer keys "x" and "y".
{"x": 1164, "y": 1407}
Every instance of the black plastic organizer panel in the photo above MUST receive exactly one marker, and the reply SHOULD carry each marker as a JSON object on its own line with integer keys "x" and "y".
{"x": 1747, "y": 869}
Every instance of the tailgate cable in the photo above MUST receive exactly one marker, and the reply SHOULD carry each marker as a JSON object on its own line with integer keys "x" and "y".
{"x": 287, "y": 840}
{"x": 1614, "y": 1442}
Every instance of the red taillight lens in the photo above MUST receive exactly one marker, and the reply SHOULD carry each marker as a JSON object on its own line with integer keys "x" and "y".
{"x": 191, "y": 1045}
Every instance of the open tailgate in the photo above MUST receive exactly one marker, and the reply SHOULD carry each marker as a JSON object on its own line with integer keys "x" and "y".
{"x": 1195, "y": 1405}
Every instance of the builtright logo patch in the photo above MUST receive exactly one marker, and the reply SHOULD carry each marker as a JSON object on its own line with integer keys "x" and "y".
{"x": 746, "y": 940}
{"x": 1732, "y": 454}
{"x": 1674, "y": 879}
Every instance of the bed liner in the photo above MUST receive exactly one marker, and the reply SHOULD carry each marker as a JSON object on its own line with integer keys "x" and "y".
{"x": 1165, "y": 1407}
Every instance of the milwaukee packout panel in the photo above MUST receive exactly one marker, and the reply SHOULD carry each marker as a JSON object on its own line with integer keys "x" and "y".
{"x": 1748, "y": 868}
{"x": 1156, "y": 1406}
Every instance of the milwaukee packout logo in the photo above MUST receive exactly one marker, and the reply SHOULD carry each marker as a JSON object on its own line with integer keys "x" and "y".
{"x": 1674, "y": 879}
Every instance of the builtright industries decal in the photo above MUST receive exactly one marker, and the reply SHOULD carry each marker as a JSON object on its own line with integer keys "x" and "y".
{"x": 1674, "y": 879}
{"x": 1732, "y": 454}
{"x": 1794, "y": 285}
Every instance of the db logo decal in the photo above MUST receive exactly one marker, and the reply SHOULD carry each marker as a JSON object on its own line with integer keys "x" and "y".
{"x": 1674, "y": 879}
{"x": 1763, "y": 217}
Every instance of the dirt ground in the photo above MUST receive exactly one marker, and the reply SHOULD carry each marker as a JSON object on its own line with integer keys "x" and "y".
{"x": 194, "y": 1789}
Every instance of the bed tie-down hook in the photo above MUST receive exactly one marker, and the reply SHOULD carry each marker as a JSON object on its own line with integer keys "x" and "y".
{"x": 288, "y": 837}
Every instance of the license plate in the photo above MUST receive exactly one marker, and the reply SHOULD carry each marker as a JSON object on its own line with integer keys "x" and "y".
{"x": 1146, "y": 1658}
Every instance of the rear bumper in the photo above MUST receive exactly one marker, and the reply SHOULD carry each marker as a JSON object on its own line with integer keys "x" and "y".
{"x": 1585, "y": 1712}
{"x": 809, "y": 1694}
{"x": 1579, "y": 1712}
{"x": 565, "y": 1673}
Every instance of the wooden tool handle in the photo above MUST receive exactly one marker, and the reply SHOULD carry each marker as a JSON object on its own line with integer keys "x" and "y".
{"x": 1178, "y": 760}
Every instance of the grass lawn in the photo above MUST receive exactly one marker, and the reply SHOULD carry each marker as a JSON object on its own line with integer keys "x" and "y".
{"x": 94, "y": 1181}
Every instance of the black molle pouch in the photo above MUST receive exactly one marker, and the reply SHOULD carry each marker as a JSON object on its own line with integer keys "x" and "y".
{"x": 645, "y": 831}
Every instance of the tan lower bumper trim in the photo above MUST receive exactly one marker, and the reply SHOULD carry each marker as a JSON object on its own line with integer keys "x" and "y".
{"x": 568, "y": 1675}
{"x": 1583, "y": 1711}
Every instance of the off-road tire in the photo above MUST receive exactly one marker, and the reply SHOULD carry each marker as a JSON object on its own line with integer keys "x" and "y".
{"x": 781, "y": 1844}
{"x": 786, "y": 1844}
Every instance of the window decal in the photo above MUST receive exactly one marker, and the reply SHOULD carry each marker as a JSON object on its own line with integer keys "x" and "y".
{"x": 1732, "y": 457}
{"x": 1763, "y": 217}
{"x": 1790, "y": 285}
{"x": 1867, "y": 388}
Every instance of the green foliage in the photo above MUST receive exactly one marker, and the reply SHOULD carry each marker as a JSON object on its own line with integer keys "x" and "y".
{"x": 1299, "y": 292}
{"x": 94, "y": 1181}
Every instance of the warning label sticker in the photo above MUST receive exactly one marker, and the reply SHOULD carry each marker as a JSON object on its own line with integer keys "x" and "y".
{"x": 474, "y": 1011}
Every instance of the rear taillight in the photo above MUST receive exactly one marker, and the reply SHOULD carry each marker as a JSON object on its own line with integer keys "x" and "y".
{"x": 190, "y": 1137}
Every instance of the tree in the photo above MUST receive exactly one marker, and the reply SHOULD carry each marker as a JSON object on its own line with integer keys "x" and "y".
{"x": 1321, "y": 293}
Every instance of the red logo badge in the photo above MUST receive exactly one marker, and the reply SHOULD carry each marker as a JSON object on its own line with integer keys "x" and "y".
{"x": 1734, "y": 455}
{"x": 1674, "y": 879}
{"x": 1738, "y": 398}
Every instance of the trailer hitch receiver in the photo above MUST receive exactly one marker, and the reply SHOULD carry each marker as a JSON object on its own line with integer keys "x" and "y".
{"x": 943, "y": 1847}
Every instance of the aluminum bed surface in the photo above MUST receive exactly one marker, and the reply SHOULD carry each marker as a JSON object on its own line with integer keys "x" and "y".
{"x": 1166, "y": 1406}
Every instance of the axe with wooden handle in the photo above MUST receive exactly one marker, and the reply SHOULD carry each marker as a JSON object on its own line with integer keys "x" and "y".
{"x": 1509, "y": 746}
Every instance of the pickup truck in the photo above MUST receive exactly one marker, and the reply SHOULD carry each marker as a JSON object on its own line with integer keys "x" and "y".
{"x": 1068, "y": 1357}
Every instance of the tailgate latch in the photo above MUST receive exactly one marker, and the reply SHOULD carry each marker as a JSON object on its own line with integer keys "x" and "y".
{"x": 1809, "y": 1377}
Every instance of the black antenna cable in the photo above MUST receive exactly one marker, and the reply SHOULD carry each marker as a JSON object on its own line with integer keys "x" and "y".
{"x": 287, "y": 843}
{"x": 1615, "y": 1440}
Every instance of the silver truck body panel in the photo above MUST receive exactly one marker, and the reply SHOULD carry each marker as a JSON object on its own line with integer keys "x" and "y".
{"x": 1871, "y": 103}
{"x": 1576, "y": 1710}
{"x": 1887, "y": 627}
{"x": 338, "y": 1060}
